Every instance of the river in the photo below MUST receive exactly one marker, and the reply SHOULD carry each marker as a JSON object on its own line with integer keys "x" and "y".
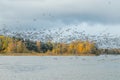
{"x": 104, "y": 67}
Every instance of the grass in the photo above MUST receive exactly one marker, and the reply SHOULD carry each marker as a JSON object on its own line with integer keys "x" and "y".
{"x": 42, "y": 54}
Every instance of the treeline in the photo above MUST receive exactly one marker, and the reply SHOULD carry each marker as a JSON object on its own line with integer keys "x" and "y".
{"x": 114, "y": 51}
{"x": 19, "y": 45}
{"x": 12, "y": 45}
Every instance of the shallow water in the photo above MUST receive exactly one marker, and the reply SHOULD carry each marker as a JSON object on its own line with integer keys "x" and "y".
{"x": 104, "y": 67}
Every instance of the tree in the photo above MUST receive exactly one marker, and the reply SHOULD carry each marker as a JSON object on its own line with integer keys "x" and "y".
{"x": 38, "y": 44}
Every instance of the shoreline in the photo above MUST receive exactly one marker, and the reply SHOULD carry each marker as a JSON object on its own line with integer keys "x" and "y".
{"x": 42, "y": 54}
{"x": 47, "y": 54}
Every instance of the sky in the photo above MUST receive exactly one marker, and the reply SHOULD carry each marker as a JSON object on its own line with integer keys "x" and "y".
{"x": 93, "y": 16}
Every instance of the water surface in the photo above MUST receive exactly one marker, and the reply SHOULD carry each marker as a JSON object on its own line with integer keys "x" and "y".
{"x": 60, "y": 68}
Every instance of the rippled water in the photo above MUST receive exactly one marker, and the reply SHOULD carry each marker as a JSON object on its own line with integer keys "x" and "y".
{"x": 104, "y": 67}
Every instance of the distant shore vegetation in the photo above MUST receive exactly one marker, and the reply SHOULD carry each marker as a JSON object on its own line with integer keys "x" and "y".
{"x": 19, "y": 45}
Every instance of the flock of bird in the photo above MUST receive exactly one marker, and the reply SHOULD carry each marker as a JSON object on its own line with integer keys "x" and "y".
{"x": 104, "y": 40}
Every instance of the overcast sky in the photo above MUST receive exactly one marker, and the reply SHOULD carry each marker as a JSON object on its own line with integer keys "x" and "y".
{"x": 89, "y": 15}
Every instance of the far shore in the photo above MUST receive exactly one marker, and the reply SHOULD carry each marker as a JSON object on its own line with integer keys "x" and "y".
{"x": 42, "y": 54}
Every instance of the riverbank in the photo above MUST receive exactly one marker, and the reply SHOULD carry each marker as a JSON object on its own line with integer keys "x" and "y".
{"x": 42, "y": 54}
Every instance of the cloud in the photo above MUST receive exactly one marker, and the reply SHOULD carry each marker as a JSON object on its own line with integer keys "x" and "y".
{"x": 57, "y": 13}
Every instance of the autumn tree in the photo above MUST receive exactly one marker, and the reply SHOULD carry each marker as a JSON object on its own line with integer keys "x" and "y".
{"x": 38, "y": 44}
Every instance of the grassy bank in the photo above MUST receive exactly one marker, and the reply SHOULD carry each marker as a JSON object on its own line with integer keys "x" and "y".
{"x": 43, "y": 54}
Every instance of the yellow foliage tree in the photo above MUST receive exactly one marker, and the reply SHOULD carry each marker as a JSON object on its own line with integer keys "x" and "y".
{"x": 38, "y": 44}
